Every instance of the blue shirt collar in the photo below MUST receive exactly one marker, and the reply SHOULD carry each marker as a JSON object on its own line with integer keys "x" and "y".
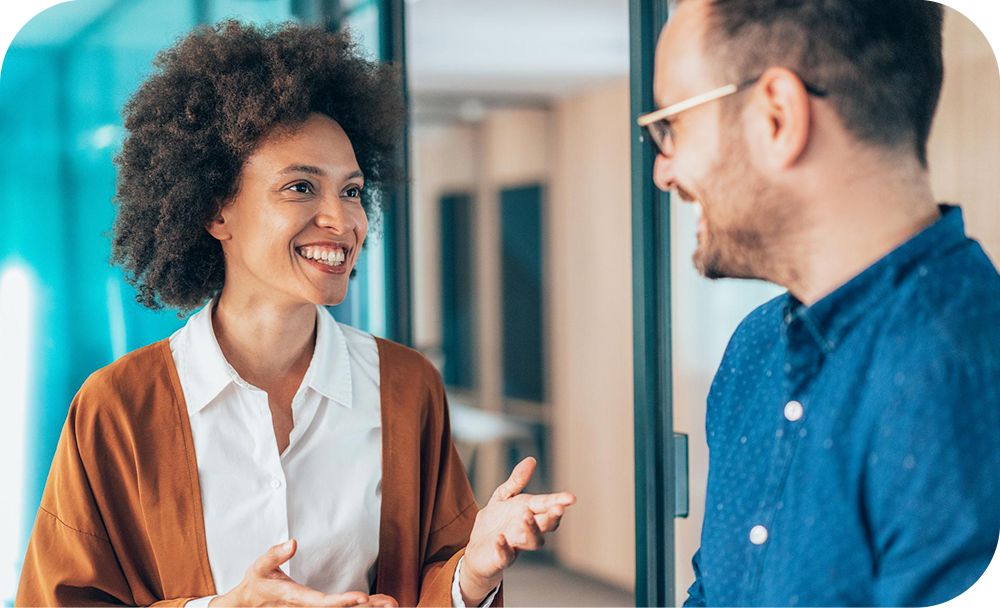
{"x": 829, "y": 319}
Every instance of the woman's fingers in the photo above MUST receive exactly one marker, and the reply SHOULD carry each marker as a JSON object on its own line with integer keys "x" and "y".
{"x": 294, "y": 594}
{"x": 517, "y": 481}
{"x": 549, "y": 521}
{"x": 275, "y": 556}
{"x": 526, "y": 535}
{"x": 380, "y": 599}
{"x": 540, "y": 503}
{"x": 505, "y": 553}
{"x": 346, "y": 600}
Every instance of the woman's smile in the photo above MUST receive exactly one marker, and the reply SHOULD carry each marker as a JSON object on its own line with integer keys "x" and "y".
{"x": 329, "y": 258}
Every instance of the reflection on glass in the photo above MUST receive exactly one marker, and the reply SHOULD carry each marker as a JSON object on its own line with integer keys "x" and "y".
{"x": 17, "y": 347}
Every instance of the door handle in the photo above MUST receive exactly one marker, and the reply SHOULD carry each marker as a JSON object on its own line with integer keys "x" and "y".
{"x": 680, "y": 475}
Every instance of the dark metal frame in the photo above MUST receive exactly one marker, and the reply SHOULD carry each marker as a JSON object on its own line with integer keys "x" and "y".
{"x": 654, "y": 448}
{"x": 395, "y": 219}
{"x": 396, "y": 210}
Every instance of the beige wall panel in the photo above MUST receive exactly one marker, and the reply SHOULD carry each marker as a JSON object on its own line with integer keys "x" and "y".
{"x": 443, "y": 160}
{"x": 964, "y": 149}
{"x": 513, "y": 150}
{"x": 590, "y": 320}
{"x": 516, "y": 146}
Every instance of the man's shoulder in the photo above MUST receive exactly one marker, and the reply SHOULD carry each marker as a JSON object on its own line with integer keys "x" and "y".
{"x": 947, "y": 310}
{"x": 761, "y": 325}
{"x": 756, "y": 336}
{"x": 937, "y": 351}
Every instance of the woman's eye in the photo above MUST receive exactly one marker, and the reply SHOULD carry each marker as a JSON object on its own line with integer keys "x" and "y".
{"x": 352, "y": 192}
{"x": 301, "y": 188}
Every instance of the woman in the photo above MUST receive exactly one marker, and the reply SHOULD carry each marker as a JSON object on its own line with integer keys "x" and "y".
{"x": 264, "y": 454}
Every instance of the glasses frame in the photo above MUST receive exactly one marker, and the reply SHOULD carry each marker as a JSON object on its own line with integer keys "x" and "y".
{"x": 656, "y": 125}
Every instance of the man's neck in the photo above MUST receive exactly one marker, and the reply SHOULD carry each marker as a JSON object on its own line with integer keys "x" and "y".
{"x": 264, "y": 340}
{"x": 859, "y": 224}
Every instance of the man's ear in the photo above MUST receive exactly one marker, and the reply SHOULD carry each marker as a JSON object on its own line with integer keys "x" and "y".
{"x": 784, "y": 102}
{"x": 218, "y": 227}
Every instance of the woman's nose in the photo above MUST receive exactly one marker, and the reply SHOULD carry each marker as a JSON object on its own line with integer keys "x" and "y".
{"x": 333, "y": 214}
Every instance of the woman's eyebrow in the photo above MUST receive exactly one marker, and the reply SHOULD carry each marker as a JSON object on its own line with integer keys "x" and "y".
{"x": 302, "y": 169}
{"x": 312, "y": 170}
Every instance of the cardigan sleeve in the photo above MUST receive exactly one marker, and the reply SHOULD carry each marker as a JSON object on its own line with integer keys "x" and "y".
{"x": 449, "y": 532}
{"x": 71, "y": 560}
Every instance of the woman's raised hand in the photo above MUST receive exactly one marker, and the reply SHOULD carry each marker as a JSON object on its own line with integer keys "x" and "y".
{"x": 266, "y": 585}
{"x": 509, "y": 523}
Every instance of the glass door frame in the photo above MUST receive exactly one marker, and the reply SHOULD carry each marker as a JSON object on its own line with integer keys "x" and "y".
{"x": 655, "y": 479}
{"x": 396, "y": 208}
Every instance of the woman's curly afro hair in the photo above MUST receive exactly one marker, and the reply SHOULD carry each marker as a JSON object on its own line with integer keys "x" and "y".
{"x": 195, "y": 121}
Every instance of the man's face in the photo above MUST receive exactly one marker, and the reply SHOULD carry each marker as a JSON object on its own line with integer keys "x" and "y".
{"x": 707, "y": 162}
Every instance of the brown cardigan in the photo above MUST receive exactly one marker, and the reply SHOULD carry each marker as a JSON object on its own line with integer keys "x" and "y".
{"x": 121, "y": 522}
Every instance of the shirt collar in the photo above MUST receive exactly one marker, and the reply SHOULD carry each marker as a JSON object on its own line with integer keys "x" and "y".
{"x": 329, "y": 372}
{"x": 207, "y": 371}
{"x": 828, "y": 320}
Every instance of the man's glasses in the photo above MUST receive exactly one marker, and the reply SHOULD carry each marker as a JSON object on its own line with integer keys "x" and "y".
{"x": 656, "y": 125}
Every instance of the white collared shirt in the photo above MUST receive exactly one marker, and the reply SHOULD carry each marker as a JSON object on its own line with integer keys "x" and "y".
{"x": 325, "y": 490}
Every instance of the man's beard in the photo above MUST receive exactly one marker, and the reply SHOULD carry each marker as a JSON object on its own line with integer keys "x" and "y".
{"x": 757, "y": 216}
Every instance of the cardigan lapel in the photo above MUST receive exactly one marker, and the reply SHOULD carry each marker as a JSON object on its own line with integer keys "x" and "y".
{"x": 402, "y": 534}
{"x": 169, "y": 477}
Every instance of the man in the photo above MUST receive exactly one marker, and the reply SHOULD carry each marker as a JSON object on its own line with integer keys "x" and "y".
{"x": 853, "y": 423}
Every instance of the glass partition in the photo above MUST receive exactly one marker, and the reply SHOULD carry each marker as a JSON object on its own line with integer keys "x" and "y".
{"x": 65, "y": 311}
{"x": 520, "y": 230}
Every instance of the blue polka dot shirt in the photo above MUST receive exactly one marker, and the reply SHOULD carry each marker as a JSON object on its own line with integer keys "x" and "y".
{"x": 854, "y": 445}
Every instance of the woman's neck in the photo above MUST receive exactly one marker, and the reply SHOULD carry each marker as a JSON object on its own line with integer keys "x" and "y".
{"x": 265, "y": 341}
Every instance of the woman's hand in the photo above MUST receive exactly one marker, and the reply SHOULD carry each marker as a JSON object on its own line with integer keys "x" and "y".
{"x": 266, "y": 585}
{"x": 509, "y": 523}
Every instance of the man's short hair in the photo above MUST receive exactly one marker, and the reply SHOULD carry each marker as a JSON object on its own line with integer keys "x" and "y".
{"x": 879, "y": 60}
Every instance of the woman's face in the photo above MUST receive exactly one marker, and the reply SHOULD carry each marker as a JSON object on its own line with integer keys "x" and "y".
{"x": 294, "y": 229}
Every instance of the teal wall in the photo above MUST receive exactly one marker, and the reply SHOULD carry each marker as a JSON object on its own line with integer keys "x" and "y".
{"x": 63, "y": 84}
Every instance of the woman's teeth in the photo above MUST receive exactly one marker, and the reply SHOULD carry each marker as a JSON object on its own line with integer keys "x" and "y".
{"x": 325, "y": 255}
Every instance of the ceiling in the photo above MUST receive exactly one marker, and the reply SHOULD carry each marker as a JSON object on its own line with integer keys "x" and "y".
{"x": 495, "y": 51}
{"x": 515, "y": 48}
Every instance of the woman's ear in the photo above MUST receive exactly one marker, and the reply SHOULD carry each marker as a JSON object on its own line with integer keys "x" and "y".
{"x": 218, "y": 227}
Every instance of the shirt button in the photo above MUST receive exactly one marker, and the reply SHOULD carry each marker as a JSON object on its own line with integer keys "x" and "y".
{"x": 793, "y": 410}
{"x": 275, "y": 483}
{"x": 758, "y": 535}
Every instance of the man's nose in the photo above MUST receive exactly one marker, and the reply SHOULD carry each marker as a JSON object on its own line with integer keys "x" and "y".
{"x": 663, "y": 172}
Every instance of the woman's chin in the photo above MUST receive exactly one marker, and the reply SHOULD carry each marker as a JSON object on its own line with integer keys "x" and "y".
{"x": 330, "y": 299}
